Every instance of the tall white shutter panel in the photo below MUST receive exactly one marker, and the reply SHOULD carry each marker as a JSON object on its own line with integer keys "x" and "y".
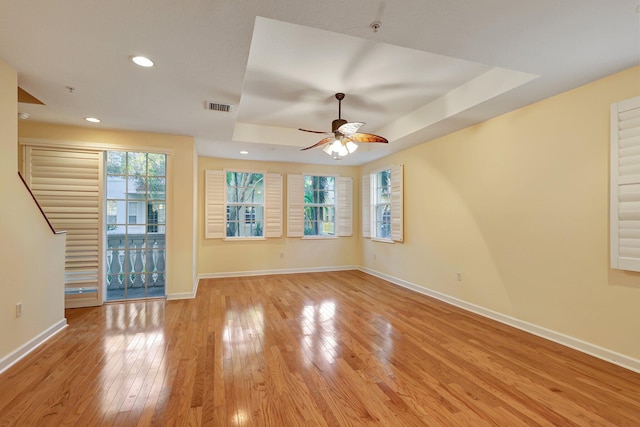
{"x": 366, "y": 205}
{"x": 625, "y": 185}
{"x": 214, "y": 204}
{"x": 295, "y": 205}
{"x": 397, "y": 201}
{"x": 67, "y": 184}
{"x": 345, "y": 206}
{"x": 273, "y": 205}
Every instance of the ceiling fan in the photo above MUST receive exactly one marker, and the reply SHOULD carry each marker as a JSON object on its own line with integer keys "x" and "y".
{"x": 344, "y": 135}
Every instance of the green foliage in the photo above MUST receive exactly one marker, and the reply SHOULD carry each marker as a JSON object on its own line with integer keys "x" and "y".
{"x": 318, "y": 191}
{"x": 244, "y": 189}
{"x": 139, "y": 166}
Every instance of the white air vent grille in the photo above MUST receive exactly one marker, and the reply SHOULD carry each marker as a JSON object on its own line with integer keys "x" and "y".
{"x": 216, "y": 106}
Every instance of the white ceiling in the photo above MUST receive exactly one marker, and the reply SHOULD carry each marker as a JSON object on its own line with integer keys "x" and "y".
{"x": 433, "y": 67}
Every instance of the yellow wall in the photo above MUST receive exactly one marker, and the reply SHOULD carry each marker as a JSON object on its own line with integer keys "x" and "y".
{"x": 31, "y": 256}
{"x": 180, "y": 186}
{"x": 216, "y": 256}
{"x": 517, "y": 204}
{"x": 520, "y": 206}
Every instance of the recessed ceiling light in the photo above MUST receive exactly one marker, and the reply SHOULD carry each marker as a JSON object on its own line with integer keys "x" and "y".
{"x": 142, "y": 61}
{"x": 244, "y": 152}
{"x": 92, "y": 119}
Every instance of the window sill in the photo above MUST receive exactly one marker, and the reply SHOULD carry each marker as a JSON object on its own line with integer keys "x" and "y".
{"x": 243, "y": 239}
{"x": 377, "y": 239}
{"x": 318, "y": 237}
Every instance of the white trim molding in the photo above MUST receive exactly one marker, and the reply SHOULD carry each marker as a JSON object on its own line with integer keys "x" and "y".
{"x": 568, "y": 341}
{"x": 22, "y": 351}
{"x": 281, "y": 271}
{"x": 221, "y": 275}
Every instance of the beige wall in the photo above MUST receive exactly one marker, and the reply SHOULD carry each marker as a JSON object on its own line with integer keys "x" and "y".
{"x": 31, "y": 256}
{"x": 519, "y": 205}
{"x": 180, "y": 186}
{"x": 217, "y": 256}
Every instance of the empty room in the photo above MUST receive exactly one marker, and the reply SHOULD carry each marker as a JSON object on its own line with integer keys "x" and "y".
{"x": 395, "y": 213}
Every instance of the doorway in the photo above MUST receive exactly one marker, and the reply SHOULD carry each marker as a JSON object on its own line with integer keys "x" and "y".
{"x": 135, "y": 225}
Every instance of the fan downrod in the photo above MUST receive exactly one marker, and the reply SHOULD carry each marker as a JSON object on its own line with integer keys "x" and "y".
{"x": 339, "y": 121}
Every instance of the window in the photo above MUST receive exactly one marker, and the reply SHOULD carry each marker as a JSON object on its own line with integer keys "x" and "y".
{"x": 242, "y": 204}
{"x": 245, "y": 204}
{"x": 382, "y": 201}
{"x": 319, "y": 205}
{"x": 136, "y": 224}
{"x": 133, "y": 213}
{"x": 382, "y": 204}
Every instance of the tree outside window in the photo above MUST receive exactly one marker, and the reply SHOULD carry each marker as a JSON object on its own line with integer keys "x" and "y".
{"x": 319, "y": 205}
{"x": 245, "y": 204}
{"x": 382, "y": 204}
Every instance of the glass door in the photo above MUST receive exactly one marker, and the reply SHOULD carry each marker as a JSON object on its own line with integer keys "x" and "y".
{"x": 136, "y": 225}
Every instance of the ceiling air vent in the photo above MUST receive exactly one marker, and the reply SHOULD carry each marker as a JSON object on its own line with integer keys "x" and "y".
{"x": 216, "y": 106}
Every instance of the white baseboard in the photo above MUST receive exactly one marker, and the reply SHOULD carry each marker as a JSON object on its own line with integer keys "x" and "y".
{"x": 16, "y": 355}
{"x": 568, "y": 341}
{"x": 189, "y": 295}
{"x": 182, "y": 295}
{"x": 270, "y": 272}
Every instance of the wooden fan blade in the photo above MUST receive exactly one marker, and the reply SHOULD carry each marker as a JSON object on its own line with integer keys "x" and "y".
{"x": 350, "y": 128}
{"x": 314, "y": 131}
{"x": 367, "y": 137}
{"x": 322, "y": 141}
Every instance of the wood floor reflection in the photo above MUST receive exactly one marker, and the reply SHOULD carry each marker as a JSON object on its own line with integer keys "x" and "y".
{"x": 321, "y": 349}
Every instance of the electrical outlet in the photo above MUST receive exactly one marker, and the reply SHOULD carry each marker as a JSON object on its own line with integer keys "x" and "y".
{"x": 19, "y": 309}
{"x": 459, "y": 276}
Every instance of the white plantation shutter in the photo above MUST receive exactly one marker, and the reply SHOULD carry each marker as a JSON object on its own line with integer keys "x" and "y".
{"x": 625, "y": 185}
{"x": 295, "y": 205}
{"x": 68, "y": 186}
{"x": 273, "y": 205}
{"x": 215, "y": 214}
{"x": 397, "y": 202}
{"x": 366, "y": 206}
{"x": 344, "y": 213}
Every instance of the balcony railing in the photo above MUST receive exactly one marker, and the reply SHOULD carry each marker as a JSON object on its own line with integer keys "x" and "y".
{"x": 135, "y": 261}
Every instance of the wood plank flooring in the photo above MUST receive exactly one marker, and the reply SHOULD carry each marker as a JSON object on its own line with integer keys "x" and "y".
{"x": 321, "y": 349}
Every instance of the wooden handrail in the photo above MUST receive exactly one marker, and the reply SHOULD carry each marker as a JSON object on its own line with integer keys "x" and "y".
{"x": 53, "y": 230}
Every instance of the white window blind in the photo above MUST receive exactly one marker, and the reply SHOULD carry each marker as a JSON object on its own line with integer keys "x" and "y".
{"x": 397, "y": 202}
{"x": 273, "y": 205}
{"x": 295, "y": 205}
{"x": 366, "y": 205}
{"x": 345, "y": 206}
{"x": 625, "y": 185}
{"x": 68, "y": 186}
{"x": 215, "y": 214}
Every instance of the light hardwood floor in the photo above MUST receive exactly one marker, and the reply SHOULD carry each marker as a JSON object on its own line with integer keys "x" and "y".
{"x": 341, "y": 348}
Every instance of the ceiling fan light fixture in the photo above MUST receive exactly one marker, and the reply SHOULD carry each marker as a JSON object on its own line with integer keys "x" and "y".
{"x": 142, "y": 61}
{"x": 344, "y": 135}
{"x": 351, "y": 146}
